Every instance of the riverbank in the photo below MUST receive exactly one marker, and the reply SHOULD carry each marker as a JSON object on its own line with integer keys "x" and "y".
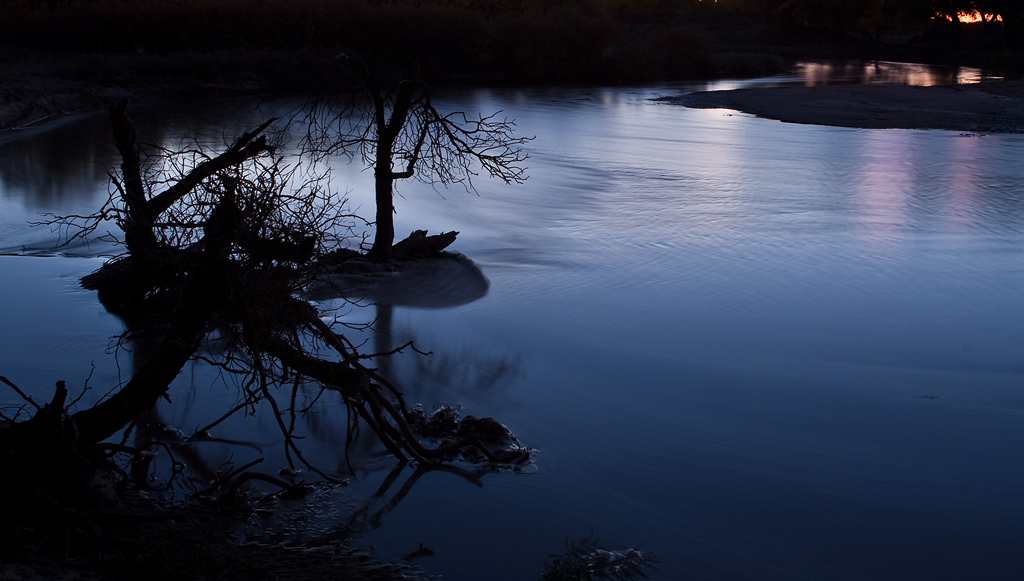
{"x": 990, "y": 107}
{"x": 36, "y": 87}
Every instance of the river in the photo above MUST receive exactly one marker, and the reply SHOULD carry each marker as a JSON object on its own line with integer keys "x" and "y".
{"x": 758, "y": 350}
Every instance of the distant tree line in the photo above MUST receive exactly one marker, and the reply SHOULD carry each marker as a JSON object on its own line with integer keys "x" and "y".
{"x": 523, "y": 41}
{"x": 873, "y": 19}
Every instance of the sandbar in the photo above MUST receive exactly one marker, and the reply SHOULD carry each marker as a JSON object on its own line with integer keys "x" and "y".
{"x": 996, "y": 107}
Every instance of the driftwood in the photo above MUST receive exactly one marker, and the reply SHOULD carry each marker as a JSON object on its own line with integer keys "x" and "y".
{"x": 421, "y": 273}
{"x": 419, "y": 245}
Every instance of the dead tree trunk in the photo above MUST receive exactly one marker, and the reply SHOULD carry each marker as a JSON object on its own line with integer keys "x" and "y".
{"x": 205, "y": 292}
{"x": 384, "y": 174}
{"x": 205, "y": 285}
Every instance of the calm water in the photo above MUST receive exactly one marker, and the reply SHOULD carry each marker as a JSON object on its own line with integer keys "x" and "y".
{"x": 758, "y": 350}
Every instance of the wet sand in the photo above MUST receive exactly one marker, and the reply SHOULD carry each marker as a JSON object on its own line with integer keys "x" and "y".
{"x": 982, "y": 108}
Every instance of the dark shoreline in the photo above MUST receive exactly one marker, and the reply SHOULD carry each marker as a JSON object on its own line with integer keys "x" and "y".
{"x": 40, "y": 87}
{"x": 68, "y": 57}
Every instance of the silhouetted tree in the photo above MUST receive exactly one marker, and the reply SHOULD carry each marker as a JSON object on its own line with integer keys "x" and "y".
{"x": 401, "y": 135}
{"x": 1012, "y": 14}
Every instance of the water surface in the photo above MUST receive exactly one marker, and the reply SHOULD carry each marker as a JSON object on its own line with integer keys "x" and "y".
{"x": 759, "y": 350}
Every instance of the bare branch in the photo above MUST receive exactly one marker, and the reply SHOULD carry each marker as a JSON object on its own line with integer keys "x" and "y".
{"x": 250, "y": 144}
{"x": 23, "y": 395}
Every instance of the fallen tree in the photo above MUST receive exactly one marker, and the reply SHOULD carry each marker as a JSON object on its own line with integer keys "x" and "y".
{"x": 228, "y": 241}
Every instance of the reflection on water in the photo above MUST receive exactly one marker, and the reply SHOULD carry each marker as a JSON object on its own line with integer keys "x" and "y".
{"x": 63, "y": 165}
{"x": 56, "y": 166}
{"x": 758, "y": 350}
{"x": 814, "y": 74}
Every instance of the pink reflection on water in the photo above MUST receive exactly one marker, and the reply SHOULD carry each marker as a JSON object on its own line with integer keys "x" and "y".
{"x": 818, "y": 73}
{"x": 884, "y": 169}
{"x": 963, "y": 193}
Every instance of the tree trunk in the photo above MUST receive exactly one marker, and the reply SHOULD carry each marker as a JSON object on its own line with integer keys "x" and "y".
{"x": 384, "y": 189}
{"x": 383, "y": 170}
{"x": 205, "y": 292}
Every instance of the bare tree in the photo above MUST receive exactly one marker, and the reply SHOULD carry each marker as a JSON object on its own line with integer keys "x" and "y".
{"x": 400, "y": 134}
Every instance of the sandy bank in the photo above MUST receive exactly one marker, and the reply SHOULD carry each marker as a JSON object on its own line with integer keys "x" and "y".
{"x": 983, "y": 108}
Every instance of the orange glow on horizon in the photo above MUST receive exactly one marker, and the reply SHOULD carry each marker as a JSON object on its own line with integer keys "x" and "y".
{"x": 973, "y": 17}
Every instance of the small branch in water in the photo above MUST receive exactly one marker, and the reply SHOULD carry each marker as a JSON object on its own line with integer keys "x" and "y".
{"x": 227, "y": 477}
{"x": 23, "y": 395}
